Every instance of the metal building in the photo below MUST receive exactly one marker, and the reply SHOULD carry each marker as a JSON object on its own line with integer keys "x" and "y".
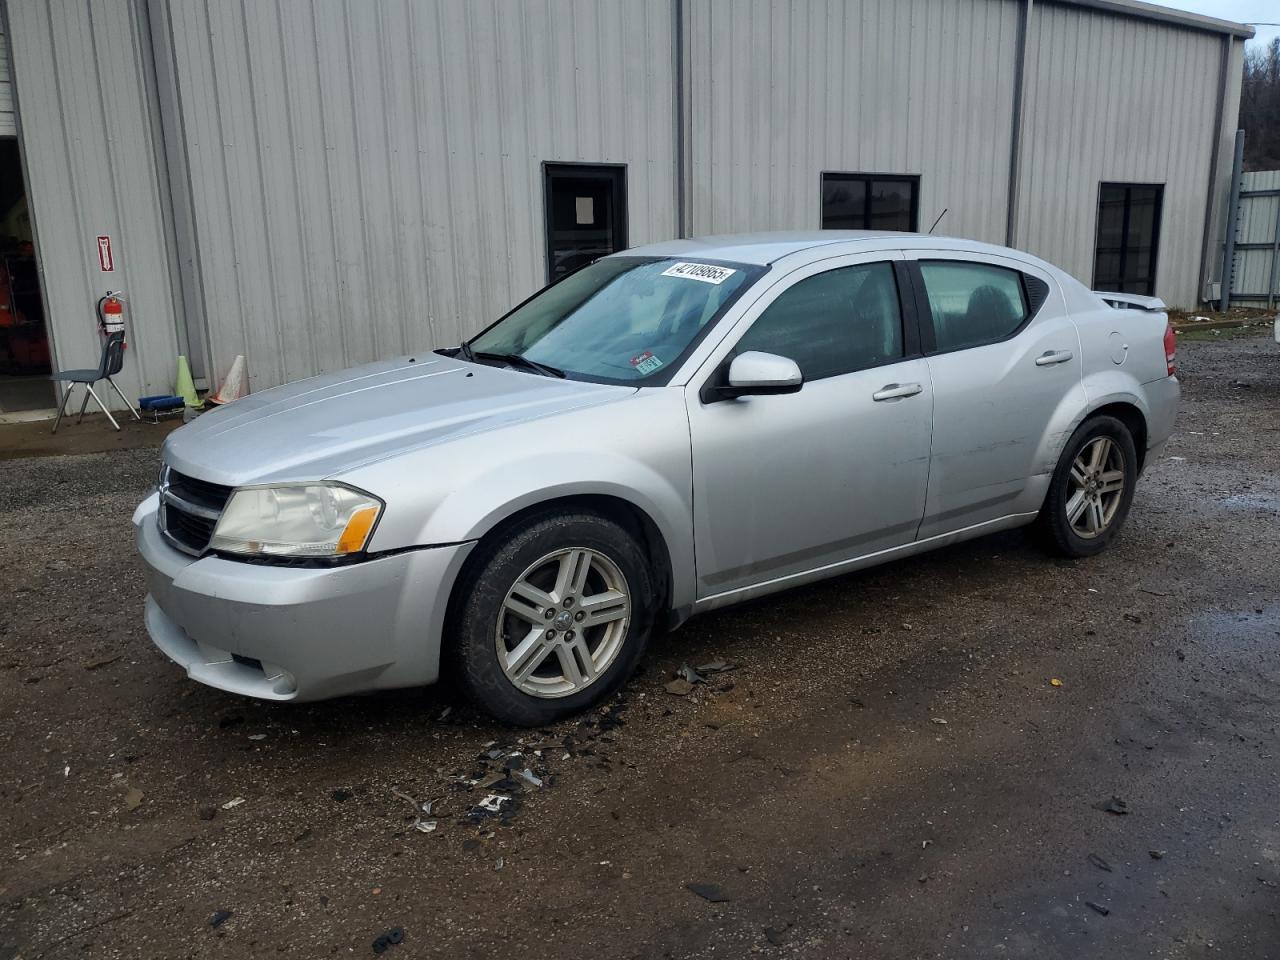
{"x": 318, "y": 183}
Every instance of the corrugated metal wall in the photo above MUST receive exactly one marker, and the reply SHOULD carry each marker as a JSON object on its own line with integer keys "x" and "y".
{"x": 7, "y": 126}
{"x": 1117, "y": 99}
{"x": 366, "y": 178}
{"x": 82, "y": 72}
{"x": 1259, "y": 223}
{"x": 781, "y": 91}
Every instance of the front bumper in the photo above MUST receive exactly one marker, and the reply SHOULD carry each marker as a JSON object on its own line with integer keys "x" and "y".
{"x": 297, "y": 633}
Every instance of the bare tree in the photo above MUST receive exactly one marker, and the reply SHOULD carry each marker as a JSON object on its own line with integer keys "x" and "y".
{"x": 1260, "y": 107}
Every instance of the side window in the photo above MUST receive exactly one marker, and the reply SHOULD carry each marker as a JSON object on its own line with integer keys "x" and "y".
{"x": 972, "y": 303}
{"x": 832, "y": 323}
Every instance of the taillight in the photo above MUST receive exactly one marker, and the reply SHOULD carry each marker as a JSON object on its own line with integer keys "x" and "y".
{"x": 1170, "y": 349}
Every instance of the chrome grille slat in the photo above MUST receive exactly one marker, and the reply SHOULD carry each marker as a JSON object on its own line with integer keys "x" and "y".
{"x": 189, "y": 510}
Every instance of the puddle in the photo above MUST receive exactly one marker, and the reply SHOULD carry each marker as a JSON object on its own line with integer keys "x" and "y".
{"x": 1247, "y": 501}
{"x": 1238, "y": 631}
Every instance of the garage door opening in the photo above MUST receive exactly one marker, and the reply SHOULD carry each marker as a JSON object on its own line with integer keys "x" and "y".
{"x": 24, "y": 339}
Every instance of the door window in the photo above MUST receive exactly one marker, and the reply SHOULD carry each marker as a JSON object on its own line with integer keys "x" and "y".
{"x": 586, "y": 215}
{"x": 972, "y": 303}
{"x": 834, "y": 322}
{"x": 1128, "y": 236}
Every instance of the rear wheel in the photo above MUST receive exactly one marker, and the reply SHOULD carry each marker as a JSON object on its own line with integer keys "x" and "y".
{"x": 1091, "y": 489}
{"x": 553, "y": 617}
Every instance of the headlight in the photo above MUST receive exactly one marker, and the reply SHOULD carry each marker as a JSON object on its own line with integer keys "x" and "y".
{"x": 307, "y": 520}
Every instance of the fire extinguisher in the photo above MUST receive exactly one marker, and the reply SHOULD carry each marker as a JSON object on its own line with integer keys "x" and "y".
{"x": 111, "y": 314}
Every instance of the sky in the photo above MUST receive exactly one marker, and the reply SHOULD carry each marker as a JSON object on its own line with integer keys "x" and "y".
{"x": 1242, "y": 11}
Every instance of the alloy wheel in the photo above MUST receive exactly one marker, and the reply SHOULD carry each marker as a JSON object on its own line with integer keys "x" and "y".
{"x": 563, "y": 622}
{"x": 1097, "y": 487}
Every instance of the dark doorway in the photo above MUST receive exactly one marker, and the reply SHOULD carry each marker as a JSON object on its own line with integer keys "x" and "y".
{"x": 1128, "y": 237}
{"x": 24, "y": 340}
{"x": 586, "y": 214}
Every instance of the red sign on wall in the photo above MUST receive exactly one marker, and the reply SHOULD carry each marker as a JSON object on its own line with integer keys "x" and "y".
{"x": 105, "y": 261}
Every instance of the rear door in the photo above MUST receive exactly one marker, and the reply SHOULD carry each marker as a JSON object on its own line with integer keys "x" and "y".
{"x": 1003, "y": 357}
{"x": 791, "y": 483}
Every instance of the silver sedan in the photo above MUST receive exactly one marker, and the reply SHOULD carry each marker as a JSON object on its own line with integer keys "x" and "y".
{"x": 669, "y": 430}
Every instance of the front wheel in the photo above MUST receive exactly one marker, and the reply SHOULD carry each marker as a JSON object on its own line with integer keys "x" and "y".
{"x": 1091, "y": 489}
{"x": 552, "y": 618}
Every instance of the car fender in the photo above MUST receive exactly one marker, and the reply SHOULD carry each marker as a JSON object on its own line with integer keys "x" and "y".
{"x": 471, "y": 513}
{"x": 1105, "y": 387}
{"x": 1069, "y": 414}
{"x": 637, "y": 452}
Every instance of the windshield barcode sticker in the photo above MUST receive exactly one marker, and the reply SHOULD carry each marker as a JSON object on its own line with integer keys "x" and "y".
{"x": 705, "y": 272}
{"x": 646, "y": 363}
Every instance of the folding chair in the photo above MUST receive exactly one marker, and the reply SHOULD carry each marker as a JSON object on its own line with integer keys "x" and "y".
{"x": 112, "y": 361}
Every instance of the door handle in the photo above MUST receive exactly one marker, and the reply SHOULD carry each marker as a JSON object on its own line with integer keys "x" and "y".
{"x": 896, "y": 391}
{"x": 1050, "y": 357}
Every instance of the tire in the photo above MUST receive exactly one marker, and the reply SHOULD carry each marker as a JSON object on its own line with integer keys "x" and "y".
{"x": 1074, "y": 528}
{"x": 522, "y": 570}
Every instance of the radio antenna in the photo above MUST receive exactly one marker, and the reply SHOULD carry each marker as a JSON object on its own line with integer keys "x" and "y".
{"x": 939, "y": 220}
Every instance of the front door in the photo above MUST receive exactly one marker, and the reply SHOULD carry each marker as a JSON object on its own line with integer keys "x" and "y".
{"x": 791, "y": 483}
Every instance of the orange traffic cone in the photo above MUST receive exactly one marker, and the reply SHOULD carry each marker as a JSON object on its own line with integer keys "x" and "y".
{"x": 233, "y": 386}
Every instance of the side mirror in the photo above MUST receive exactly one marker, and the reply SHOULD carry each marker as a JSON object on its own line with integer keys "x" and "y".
{"x": 755, "y": 373}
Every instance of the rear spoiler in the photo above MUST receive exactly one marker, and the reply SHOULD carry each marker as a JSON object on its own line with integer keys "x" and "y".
{"x": 1131, "y": 301}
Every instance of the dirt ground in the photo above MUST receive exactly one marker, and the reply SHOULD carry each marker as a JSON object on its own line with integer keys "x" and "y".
{"x": 816, "y": 788}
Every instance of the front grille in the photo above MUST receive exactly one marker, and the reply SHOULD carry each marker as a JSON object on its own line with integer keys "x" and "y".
{"x": 189, "y": 510}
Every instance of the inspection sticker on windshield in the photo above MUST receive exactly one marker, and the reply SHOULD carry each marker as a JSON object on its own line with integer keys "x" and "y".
{"x": 705, "y": 272}
{"x": 646, "y": 363}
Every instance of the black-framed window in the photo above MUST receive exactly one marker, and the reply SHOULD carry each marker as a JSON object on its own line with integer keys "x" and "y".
{"x": 870, "y": 201}
{"x": 1128, "y": 240}
{"x": 586, "y": 211}
{"x": 834, "y": 322}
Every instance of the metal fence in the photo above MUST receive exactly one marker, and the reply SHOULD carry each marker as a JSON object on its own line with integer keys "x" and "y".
{"x": 1255, "y": 260}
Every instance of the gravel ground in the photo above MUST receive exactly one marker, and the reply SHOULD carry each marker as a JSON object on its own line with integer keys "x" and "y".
{"x": 817, "y": 787}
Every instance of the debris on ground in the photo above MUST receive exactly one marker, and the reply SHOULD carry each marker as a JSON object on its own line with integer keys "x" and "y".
{"x": 421, "y": 810}
{"x": 1156, "y": 854}
{"x": 689, "y": 674}
{"x": 679, "y": 687}
{"x": 1098, "y": 862}
{"x": 219, "y": 918}
{"x": 233, "y": 803}
{"x": 391, "y": 938}
{"x": 939, "y": 721}
{"x": 716, "y": 666}
{"x": 444, "y": 714}
{"x": 776, "y": 935}
{"x": 1097, "y": 907}
{"x": 1055, "y": 682}
{"x": 709, "y": 892}
{"x": 493, "y": 802}
{"x": 531, "y": 777}
{"x": 1112, "y": 805}
{"x": 257, "y": 736}
{"x": 133, "y": 799}
{"x": 502, "y": 862}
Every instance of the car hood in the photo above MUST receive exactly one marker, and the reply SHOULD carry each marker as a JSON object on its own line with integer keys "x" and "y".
{"x": 331, "y": 424}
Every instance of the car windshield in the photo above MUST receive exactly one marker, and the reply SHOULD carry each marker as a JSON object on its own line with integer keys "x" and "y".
{"x": 619, "y": 320}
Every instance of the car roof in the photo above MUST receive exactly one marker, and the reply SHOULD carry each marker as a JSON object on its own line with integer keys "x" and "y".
{"x": 764, "y": 249}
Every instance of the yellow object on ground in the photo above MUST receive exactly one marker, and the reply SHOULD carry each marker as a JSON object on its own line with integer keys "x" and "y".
{"x": 185, "y": 387}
